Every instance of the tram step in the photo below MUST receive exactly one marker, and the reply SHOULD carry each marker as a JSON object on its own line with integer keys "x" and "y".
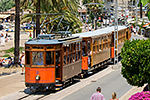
{"x": 90, "y": 72}
{"x": 57, "y": 89}
{"x": 58, "y": 85}
{"x": 58, "y": 78}
{"x": 76, "y": 79}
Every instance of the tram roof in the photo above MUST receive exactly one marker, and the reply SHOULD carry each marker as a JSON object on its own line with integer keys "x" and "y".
{"x": 43, "y": 41}
{"x": 102, "y": 31}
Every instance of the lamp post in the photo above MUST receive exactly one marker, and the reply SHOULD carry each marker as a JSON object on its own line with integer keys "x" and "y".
{"x": 116, "y": 33}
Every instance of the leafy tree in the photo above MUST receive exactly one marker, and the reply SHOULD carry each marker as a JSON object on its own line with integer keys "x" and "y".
{"x": 136, "y": 62}
{"x": 68, "y": 7}
{"x": 6, "y": 5}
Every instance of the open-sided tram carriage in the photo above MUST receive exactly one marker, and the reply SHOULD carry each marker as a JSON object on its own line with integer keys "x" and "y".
{"x": 51, "y": 62}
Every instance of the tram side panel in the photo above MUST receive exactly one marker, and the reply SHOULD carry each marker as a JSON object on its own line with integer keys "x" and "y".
{"x": 101, "y": 56}
{"x": 72, "y": 69}
{"x": 39, "y": 75}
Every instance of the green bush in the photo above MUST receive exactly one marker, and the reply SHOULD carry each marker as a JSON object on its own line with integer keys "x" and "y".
{"x": 6, "y": 55}
{"x": 136, "y": 62}
{"x": 11, "y": 50}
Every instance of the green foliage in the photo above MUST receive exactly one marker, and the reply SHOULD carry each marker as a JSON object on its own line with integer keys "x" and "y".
{"x": 144, "y": 2}
{"x": 11, "y": 50}
{"x": 6, "y": 5}
{"x": 6, "y": 55}
{"x": 136, "y": 62}
{"x": 67, "y": 7}
{"x": 98, "y": 24}
{"x": 148, "y": 15}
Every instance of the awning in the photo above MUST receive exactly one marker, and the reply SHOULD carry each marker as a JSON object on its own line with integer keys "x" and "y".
{"x": 4, "y": 16}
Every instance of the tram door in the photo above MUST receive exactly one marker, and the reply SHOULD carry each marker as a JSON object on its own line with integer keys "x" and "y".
{"x": 58, "y": 65}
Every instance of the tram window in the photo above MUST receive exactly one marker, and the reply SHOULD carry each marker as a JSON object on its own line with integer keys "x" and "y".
{"x": 49, "y": 57}
{"x": 100, "y": 39}
{"x": 79, "y": 45}
{"x": 76, "y": 56}
{"x": 106, "y": 45}
{"x": 27, "y": 47}
{"x": 27, "y": 57}
{"x": 93, "y": 49}
{"x": 79, "y": 53}
{"x": 107, "y": 38}
{"x": 49, "y": 47}
{"x": 97, "y": 48}
{"x": 103, "y": 46}
{"x": 74, "y": 47}
{"x": 94, "y": 41}
{"x": 71, "y": 47}
{"x": 57, "y": 46}
{"x": 57, "y": 58}
{"x": 65, "y": 50}
{"x": 104, "y": 38}
{"x": 100, "y": 48}
{"x": 65, "y": 60}
{"x": 71, "y": 58}
{"x": 37, "y": 58}
{"x": 89, "y": 46}
{"x": 37, "y": 47}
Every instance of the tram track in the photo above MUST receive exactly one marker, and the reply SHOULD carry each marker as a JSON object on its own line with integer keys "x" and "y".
{"x": 35, "y": 96}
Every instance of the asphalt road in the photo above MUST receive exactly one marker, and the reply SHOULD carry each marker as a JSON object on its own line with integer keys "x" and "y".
{"x": 113, "y": 82}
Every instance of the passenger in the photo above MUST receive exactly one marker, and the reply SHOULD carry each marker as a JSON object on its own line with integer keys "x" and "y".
{"x": 98, "y": 95}
{"x": 39, "y": 62}
{"x": 2, "y": 40}
{"x": 114, "y": 96}
{"x": 90, "y": 27}
{"x": 22, "y": 61}
{"x": 30, "y": 36}
{"x": 10, "y": 63}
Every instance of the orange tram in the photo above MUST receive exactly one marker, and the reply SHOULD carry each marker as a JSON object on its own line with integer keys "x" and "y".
{"x": 52, "y": 60}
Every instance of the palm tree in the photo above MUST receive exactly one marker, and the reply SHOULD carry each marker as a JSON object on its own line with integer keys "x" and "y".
{"x": 17, "y": 32}
{"x": 37, "y": 4}
{"x": 59, "y": 6}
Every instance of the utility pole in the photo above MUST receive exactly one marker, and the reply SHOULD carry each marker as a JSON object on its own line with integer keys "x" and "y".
{"x": 116, "y": 33}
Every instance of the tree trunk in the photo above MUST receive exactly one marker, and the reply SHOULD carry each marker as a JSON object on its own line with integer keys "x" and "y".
{"x": 38, "y": 18}
{"x": 140, "y": 9}
{"x": 17, "y": 31}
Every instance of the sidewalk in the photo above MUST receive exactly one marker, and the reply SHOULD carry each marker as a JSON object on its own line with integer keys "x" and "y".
{"x": 10, "y": 43}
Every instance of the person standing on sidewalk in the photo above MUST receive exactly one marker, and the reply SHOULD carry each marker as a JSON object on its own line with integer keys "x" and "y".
{"x": 22, "y": 61}
{"x": 114, "y": 95}
{"x": 98, "y": 95}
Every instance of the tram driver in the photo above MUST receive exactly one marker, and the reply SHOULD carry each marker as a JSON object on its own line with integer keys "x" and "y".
{"x": 39, "y": 61}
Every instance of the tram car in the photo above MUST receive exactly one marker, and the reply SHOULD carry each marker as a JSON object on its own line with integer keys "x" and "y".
{"x": 50, "y": 62}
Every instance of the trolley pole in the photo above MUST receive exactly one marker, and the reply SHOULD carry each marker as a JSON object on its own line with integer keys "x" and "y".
{"x": 136, "y": 16}
{"x": 116, "y": 33}
{"x": 125, "y": 14}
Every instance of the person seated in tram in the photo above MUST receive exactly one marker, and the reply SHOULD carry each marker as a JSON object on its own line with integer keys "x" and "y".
{"x": 39, "y": 62}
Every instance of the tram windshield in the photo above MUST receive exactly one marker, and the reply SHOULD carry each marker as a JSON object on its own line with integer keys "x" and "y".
{"x": 49, "y": 57}
{"x": 37, "y": 58}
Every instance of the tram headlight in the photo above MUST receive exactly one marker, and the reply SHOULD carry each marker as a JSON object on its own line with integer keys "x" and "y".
{"x": 37, "y": 77}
